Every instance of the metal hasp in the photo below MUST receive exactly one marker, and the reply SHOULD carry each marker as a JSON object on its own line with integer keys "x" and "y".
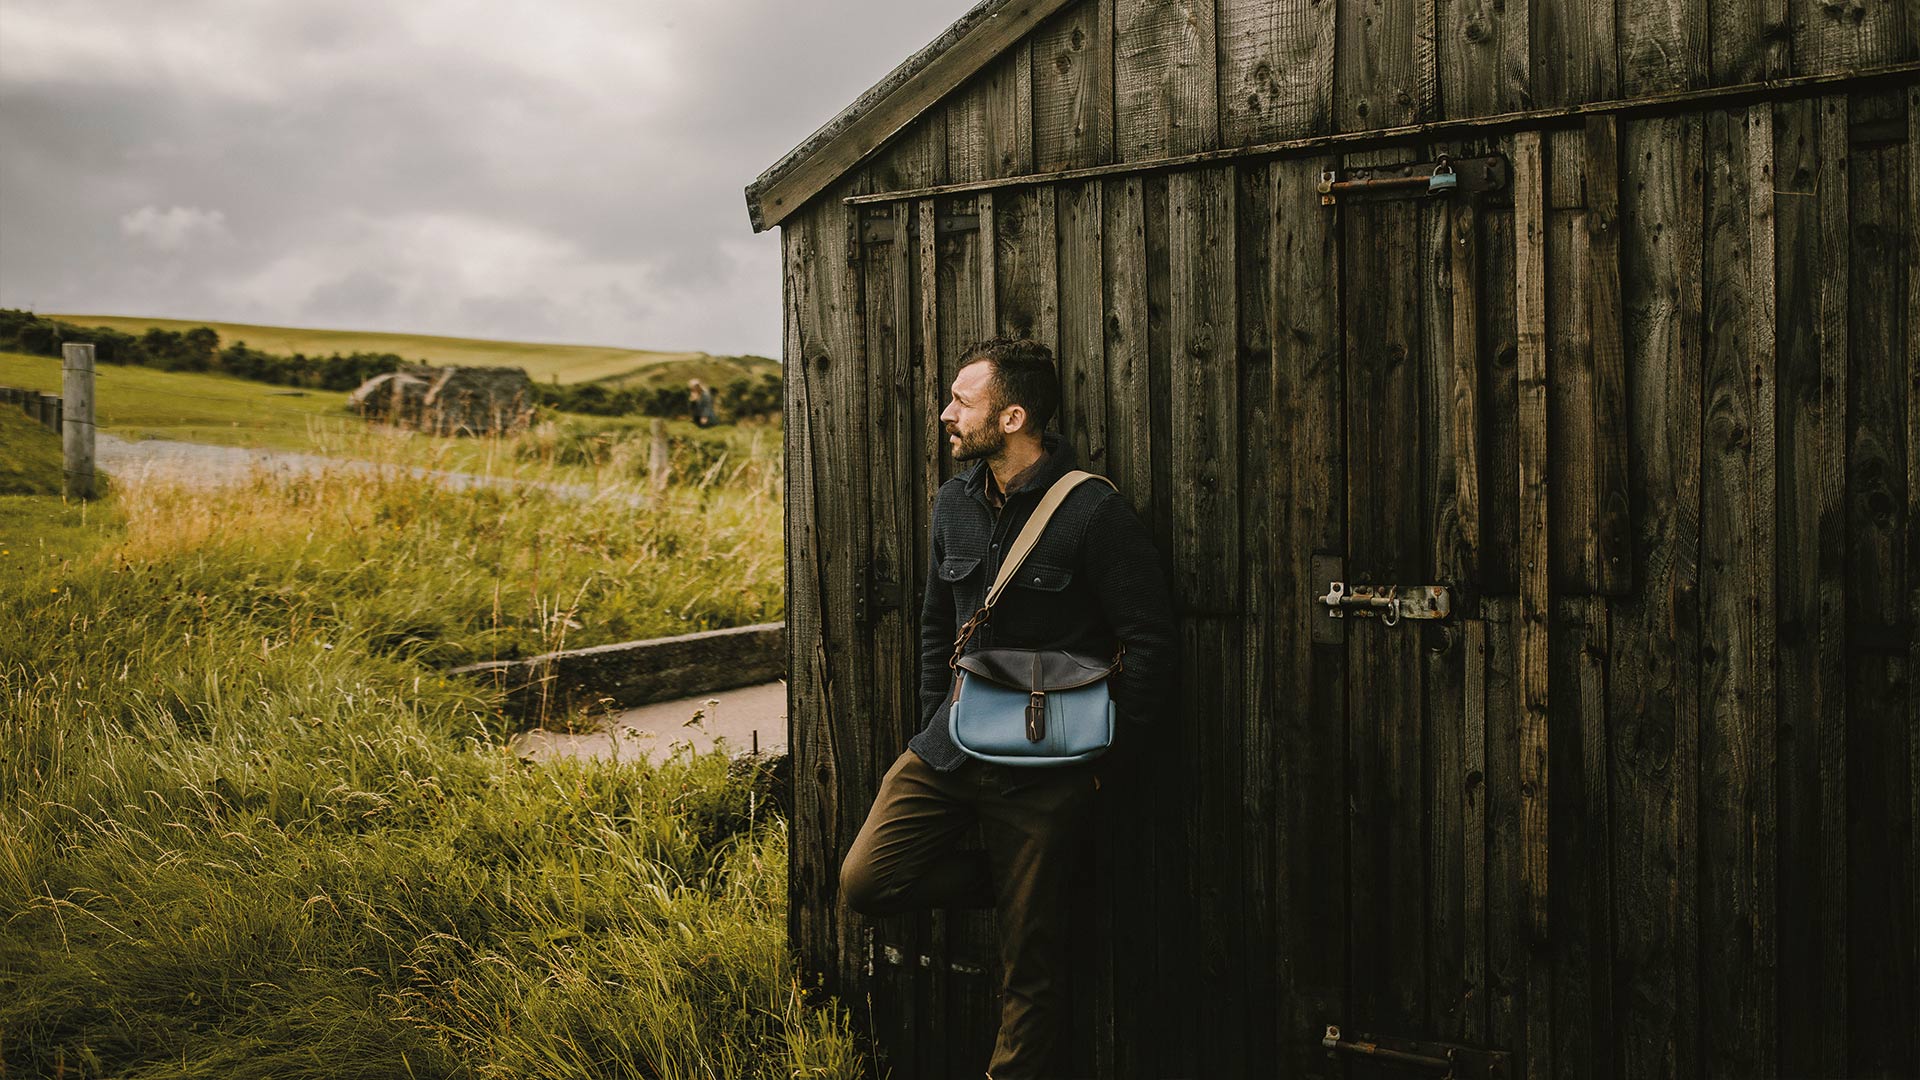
{"x": 1443, "y": 177}
{"x": 1388, "y": 603}
{"x": 1444, "y": 1061}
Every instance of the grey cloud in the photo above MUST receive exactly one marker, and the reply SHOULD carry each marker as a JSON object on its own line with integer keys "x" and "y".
{"x": 602, "y": 151}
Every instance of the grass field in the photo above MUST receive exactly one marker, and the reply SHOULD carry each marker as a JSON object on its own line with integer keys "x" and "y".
{"x": 247, "y": 829}
{"x": 567, "y": 363}
{"x": 141, "y": 403}
{"x": 29, "y": 456}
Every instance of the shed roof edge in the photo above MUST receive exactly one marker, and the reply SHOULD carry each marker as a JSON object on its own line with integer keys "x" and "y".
{"x": 906, "y": 92}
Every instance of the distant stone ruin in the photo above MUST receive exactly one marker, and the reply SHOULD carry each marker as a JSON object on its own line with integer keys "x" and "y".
{"x": 449, "y": 400}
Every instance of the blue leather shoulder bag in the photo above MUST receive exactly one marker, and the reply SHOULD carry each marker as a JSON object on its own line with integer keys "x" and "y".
{"x": 1030, "y": 707}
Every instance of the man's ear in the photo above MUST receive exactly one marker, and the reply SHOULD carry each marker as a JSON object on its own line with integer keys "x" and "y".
{"x": 1013, "y": 418}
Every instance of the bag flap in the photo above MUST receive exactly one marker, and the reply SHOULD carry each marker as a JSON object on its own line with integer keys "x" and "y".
{"x": 1036, "y": 669}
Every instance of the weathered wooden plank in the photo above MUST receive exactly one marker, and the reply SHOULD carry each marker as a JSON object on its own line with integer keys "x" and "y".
{"x": 917, "y": 157}
{"x": 1843, "y": 37}
{"x": 1276, "y": 70}
{"x": 1748, "y": 40}
{"x": 1204, "y": 327}
{"x": 930, "y": 983}
{"x": 1307, "y": 510}
{"x": 1810, "y": 158}
{"x": 1442, "y": 655}
{"x": 1575, "y": 55}
{"x": 1653, "y": 674}
{"x": 1177, "y": 1027}
{"x": 1613, "y": 524}
{"x": 1026, "y": 292}
{"x": 1663, "y": 46}
{"x": 1464, "y": 264}
{"x": 1912, "y": 338}
{"x": 1131, "y": 822}
{"x": 1129, "y": 461}
{"x": 886, "y": 305}
{"x": 965, "y": 121}
{"x": 1506, "y": 934}
{"x": 1388, "y": 542}
{"x": 1882, "y": 968}
{"x": 1166, "y": 95}
{"x": 1499, "y": 404}
{"x": 1008, "y": 87}
{"x": 1484, "y": 57}
{"x": 812, "y": 924}
{"x": 1381, "y": 79}
{"x": 1205, "y": 448}
{"x": 1582, "y": 883}
{"x": 1530, "y": 284}
{"x": 1081, "y": 345}
{"x": 1572, "y": 438}
{"x": 1473, "y": 786}
{"x": 1259, "y": 697}
{"x": 1737, "y": 521}
{"x": 1073, "y": 89}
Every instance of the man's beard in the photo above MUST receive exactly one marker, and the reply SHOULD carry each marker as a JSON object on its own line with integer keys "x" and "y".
{"x": 984, "y": 442}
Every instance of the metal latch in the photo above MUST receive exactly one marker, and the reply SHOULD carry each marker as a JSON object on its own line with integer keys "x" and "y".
{"x": 1446, "y": 1061}
{"x": 1442, "y": 177}
{"x": 1388, "y": 603}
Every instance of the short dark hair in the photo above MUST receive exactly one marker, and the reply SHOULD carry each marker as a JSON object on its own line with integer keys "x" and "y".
{"x": 1023, "y": 375}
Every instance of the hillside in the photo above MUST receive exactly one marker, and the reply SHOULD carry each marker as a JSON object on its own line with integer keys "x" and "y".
{"x": 29, "y": 456}
{"x": 566, "y": 363}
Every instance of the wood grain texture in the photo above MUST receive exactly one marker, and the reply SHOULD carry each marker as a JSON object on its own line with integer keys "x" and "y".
{"x": 1259, "y": 695}
{"x": 1305, "y": 459}
{"x": 1749, "y": 40}
{"x": 1737, "y": 623}
{"x": 1849, "y": 35}
{"x": 1026, "y": 292}
{"x": 1007, "y": 97}
{"x": 1073, "y": 89}
{"x": 1388, "y": 542}
{"x": 1530, "y": 303}
{"x": 1204, "y": 327}
{"x": 1882, "y": 969}
{"x": 1810, "y": 159}
{"x": 1663, "y": 46}
{"x": 1508, "y": 950}
{"x": 1472, "y": 1022}
{"x": 1276, "y": 70}
{"x": 1484, "y": 57}
{"x": 1612, "y": 545}
{"x": 1499, "y": 405}
{"x": 1575, "y": 54}
{"x": 1166, "y": 94}
{"x": 1386, "y": 71}
{"x": 1583, "y": 1030}
{"x": 1653, "y": 703}
{"x": 1468, "y": 361}
{"x": 1081, "y": 349}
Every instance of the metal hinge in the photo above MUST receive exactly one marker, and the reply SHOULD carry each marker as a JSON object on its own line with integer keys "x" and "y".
{"x": 872, "y": 596}
{"x": 1447, "y": 176}
{"x": 1446, "y": 1061}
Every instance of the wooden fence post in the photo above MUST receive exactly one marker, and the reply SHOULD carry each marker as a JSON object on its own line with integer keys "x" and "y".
{"x": 77, "y": 426}
{"x": 657, "y": 461}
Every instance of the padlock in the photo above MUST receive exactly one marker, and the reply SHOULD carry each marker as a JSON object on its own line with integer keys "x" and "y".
{"x": 1443, "y": 180}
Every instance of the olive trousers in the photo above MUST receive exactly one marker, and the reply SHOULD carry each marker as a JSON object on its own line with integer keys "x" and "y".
{"x": 908, "y": 857}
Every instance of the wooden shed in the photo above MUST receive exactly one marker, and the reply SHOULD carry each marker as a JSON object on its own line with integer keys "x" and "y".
{"x": 1600, "y": 315}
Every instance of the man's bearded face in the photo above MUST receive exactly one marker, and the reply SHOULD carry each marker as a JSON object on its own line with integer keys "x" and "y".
{"x": 972, "y": 419}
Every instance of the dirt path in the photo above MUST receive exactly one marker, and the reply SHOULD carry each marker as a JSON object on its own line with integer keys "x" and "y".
{"x": 208, "y": 465}
{"x": 741, "y": 717}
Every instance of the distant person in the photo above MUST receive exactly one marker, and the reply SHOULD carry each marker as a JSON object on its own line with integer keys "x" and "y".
{"x": 1106, "y": 590}
{"x": 700, "y": 402}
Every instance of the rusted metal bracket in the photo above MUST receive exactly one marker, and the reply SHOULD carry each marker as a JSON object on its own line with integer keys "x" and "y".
{"x": 1446, "y": 1061}
{"x": 1447, "y": 176}
{"x": 1388, "y": 603}
{"x": 873, "y": 595}
{"x": 877, "y": 224}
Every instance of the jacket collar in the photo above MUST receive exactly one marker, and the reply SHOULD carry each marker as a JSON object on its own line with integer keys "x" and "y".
{"x": 1058, "y": 462}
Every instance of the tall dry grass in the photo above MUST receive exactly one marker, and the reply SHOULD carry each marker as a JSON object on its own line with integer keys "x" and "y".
{"x": 246, "y": 828}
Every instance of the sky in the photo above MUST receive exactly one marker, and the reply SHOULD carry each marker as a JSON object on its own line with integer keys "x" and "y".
{"x": 562, "y": 171}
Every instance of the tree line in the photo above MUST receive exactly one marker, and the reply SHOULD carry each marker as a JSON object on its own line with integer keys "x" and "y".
{"x": 199, "y": 349}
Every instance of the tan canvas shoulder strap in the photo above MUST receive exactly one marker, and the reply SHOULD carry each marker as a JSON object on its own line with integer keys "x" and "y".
{"x": 1023, "y": 546}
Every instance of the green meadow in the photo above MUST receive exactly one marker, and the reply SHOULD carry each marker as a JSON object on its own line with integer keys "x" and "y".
{"x": 249, "y": 828}
{"x": 562, "y": 363}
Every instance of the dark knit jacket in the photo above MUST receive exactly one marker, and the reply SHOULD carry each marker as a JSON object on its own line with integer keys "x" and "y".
{"x": 1093, "y": 580}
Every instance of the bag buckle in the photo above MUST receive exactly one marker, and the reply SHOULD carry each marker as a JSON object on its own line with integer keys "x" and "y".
{"x": 1036, "y": 716}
